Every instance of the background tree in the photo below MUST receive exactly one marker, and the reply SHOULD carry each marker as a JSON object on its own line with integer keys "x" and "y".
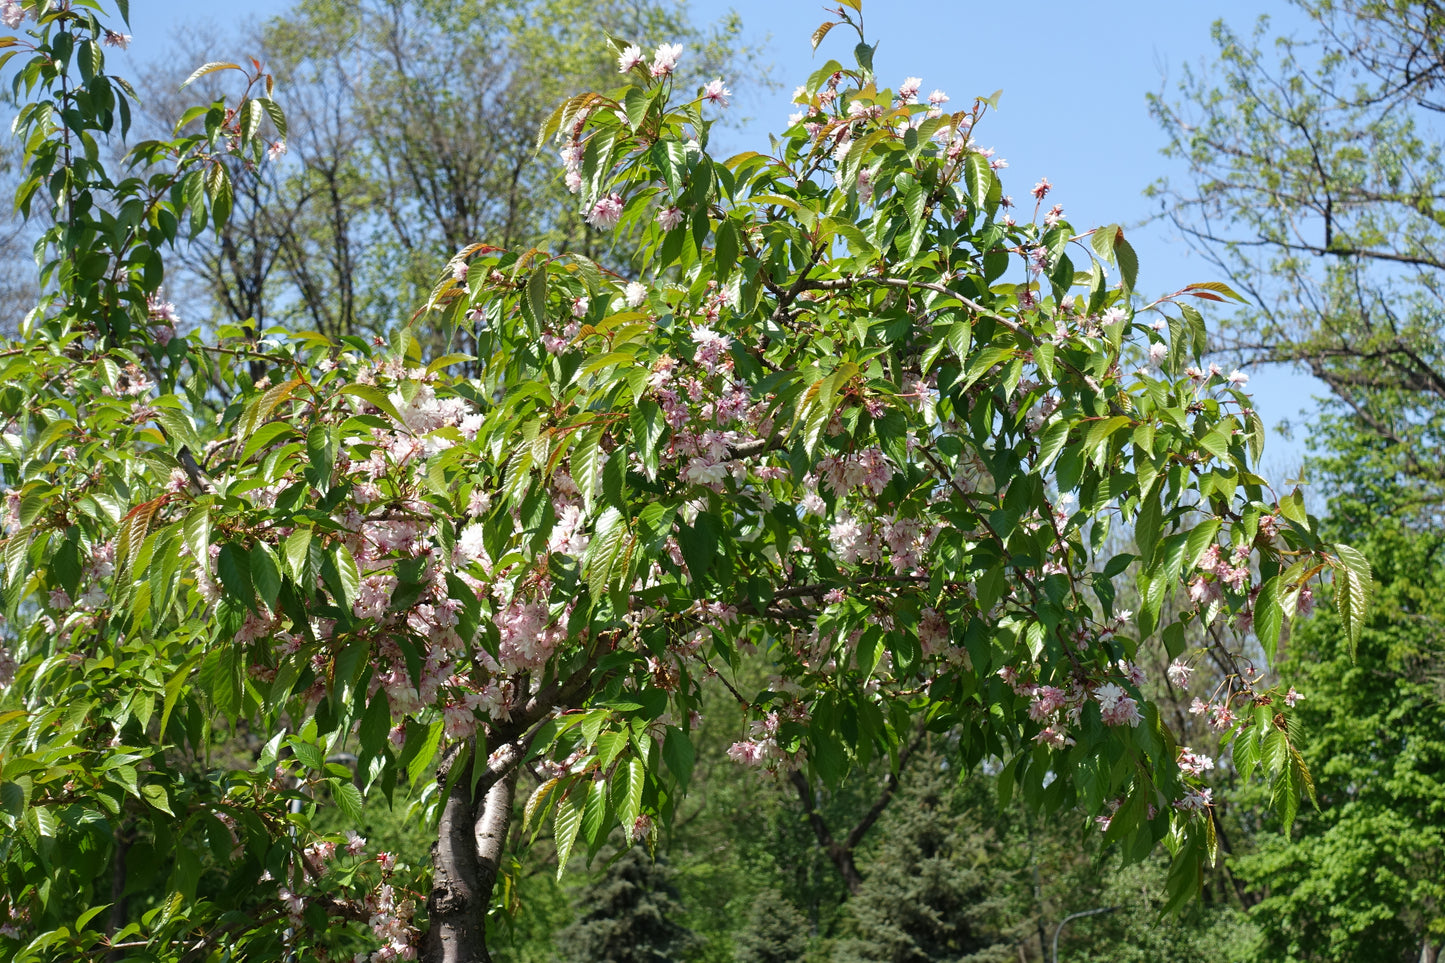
{"x": 929, "y": 896}
{"x": 1317, "y": 184}
{"x": 1362, "y": 880}
{"x": 413, "y": 134}
{"x": 629, "y": 915}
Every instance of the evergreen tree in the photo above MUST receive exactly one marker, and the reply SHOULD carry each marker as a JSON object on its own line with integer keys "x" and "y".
{"x": 630, "y": 916}
{"x": 927, "y": 896}
{"x": 776, "y": 931}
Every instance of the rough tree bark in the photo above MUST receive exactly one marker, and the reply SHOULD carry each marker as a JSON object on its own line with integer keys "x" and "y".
{"x": 468, "y": 852}
{"x": 472, "y": 831}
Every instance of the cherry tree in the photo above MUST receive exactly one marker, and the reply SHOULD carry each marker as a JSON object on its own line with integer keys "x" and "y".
{"x": 854, "y": 418}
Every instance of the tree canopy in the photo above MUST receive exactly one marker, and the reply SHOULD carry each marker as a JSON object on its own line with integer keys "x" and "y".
{"x": 848, "y": 421}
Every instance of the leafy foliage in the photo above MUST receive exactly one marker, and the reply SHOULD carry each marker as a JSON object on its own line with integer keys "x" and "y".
{"x": 1362, "y": 882}
{"x": 853, "y": 428}
{"x": 1316, "y": 185}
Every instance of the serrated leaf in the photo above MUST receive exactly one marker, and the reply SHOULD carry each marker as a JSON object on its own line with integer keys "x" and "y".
{"x": 426, "y": 751}
{"x": 1199, "y": 541}
{"x": 1245, "y": 752}
{"x": 822, "y": 32}
{"x": 594, "y": 813}
{"x": 536, "y": 802}
{"x": 1292, "y": 507}
{"x": 1051, "y": 442}
{"x": 156, "y": 796}
{"x": 1353, "y": 585}
{"x": 537, "y": 294}
{"x": 1268, "y": 617}
{"x": 348, "y": 799}
{"x": 679, "y": 754}
{"x": 565, "y": 823}
{"x": 208, "y": 68}
{"x": 1128, "y": 261}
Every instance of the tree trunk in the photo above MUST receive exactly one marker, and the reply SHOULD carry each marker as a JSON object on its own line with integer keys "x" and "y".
{"x": 1429, "y": 952}
{"x": 457, "y": 907}
{"x": 467, "y": 855}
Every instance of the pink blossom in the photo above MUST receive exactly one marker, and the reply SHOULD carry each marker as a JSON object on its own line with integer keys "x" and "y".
{"x": 1196, "y": 800}
{"x": 1108, "y": 695}
{"x": 629, "y": 58}
{"x": 937, "y": 99}
{"x": 113, "y": 39}
{"x": 669, "y": 218}
{"x": 750, "y": 752}
{"x": 606, "y": 212}
{"x": 1238, "y": 378}
{"x": 1193, "y": 763}
{"x": 1041, "y": 189}
{"x": 1054, "y": 737}
{"x": 1179, "y": 672}
{"x": 276, "y": 150}
{"x": 1220, "y": 717}
{"x": 716, "y": 92}
{"x": 355, "y": 845}
{"x": 1291, "y": 697}
{"x": 636, "y": 294}
{"x": 664, "y": 59}
{"x": 908, "y": 90}
{"x": 1047, "y": 700}
{"x": 12, "y": 13}
{"x": 1123, "y": 712}
{"x": 710, "y": 347}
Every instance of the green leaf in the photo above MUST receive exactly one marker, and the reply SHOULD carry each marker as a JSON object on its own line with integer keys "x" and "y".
{"x": 425, "y": 752}
{"x": 265, "y": 573}
{"x": 298, "y": 547}
{"x": 375, "y": 725}
{"x": 536, "y": 802}
{"x": 1353, "y": 584}
{"x": 679, "y": 754}
{"x": 977, "y": 177}
{"x": 565, "y": 823}
{"x": 1051, "y": 442}
{"x": 348, "y": 799}
{"x": 1245, "y": 752}
{"x": 156, "y": 796}
{"x": 537, "y": 294}
{"x": 1292, "y": 507}
{"x": 234, "y": 568}
{"x": 1199, "y": 541}
{"x": 208, "y": 68}
{"x": 339, "y": 572}
{"x": 634, "y": 776}
{"x": 594, "y": 813}
{"x": 1128, "y": 260}
{"x": 607, "y": 554}
{"x": 1146, "y": 525}
{"x": 1268, "y": 616}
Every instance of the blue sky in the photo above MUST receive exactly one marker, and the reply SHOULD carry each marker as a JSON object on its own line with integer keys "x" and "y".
{"x": 1074, "y": 78}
